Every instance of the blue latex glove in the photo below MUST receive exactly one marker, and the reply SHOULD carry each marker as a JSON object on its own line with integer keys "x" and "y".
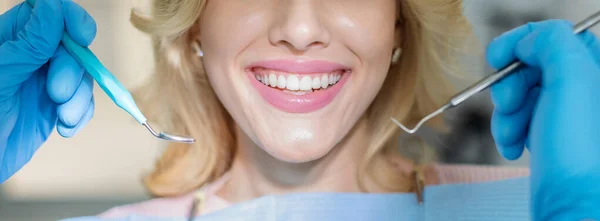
{"x": 41, "y": 85}
{"x": 553, "y": 108}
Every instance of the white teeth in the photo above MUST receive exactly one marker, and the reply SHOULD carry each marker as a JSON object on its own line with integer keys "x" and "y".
{"x": 281, "y": 82}
{"x": 306, "y": 83}
{"x": 316, "y": 83}
{"x": 293, "y": 83}
{"x": 273, "y": 80}
{"x": 324, "y": 82}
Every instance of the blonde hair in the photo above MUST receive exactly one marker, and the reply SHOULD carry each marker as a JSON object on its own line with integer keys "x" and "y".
{"x": 432, "y": 33}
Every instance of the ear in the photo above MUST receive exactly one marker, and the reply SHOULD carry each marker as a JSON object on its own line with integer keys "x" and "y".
{"x": 193, "y": 39}
{"x": 398, "y": 34}
{"x": 399, "y": 25}
{"x": 398, "y": 38}
{"x": 194, "y": 31}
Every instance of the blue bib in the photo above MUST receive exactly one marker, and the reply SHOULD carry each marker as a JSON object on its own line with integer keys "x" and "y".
{"x": 506, "y": 200}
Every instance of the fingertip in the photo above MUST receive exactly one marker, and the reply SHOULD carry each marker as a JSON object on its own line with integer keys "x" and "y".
{"x": 70, "y": 131}
{"x": 508, "y": 129}
{"x": 509, "y": 139}
{"x": 501, "y": 132}
{"x": 64, "y": 131}
{"x": 498, "y": 55}
{"x": 79, "y": 23}
{"x": 64, "y": 76}
{"x": 71, "y": 112}
{"x": 511, "y": 152}
{"x": 500, "y": 51}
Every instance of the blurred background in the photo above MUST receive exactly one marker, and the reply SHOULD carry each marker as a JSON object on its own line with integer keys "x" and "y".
{"x": 102, "y": 166}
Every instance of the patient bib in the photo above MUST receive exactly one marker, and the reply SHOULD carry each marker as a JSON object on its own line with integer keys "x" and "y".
{"x": 506, "y": 200}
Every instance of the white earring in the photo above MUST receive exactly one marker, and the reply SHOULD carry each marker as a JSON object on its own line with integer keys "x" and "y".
{"x": 396, "y": 55}
{"x": 199, "y": 51}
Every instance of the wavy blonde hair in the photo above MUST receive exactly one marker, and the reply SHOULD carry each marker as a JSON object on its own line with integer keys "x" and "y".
{"x": 432, "y": 35}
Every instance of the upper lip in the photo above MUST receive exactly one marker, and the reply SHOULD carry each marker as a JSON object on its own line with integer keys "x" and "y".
{"x": 299, "y": 66}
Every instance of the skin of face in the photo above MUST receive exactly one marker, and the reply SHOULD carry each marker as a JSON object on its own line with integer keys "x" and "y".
{"x": 358, "y": 34}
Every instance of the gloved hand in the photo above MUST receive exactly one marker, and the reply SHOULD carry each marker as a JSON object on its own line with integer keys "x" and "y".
{"x": 39, "y": 81}
{"x": 553, "y": 108}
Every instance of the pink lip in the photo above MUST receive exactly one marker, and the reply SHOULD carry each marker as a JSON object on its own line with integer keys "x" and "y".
{"x": 299, "y": 103}
{"x": 300, "y": 66}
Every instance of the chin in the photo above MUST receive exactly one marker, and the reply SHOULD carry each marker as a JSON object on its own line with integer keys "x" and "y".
{"x": 298, "y": 146}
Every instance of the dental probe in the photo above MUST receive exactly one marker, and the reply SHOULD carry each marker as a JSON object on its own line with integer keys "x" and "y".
{"x": 110, "y": 85}
{"x": 487, "y": 81}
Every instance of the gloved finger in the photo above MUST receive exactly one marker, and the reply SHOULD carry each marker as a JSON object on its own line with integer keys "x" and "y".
{"x": 510, "y": 93}
{"x": 65, "y": 73}
{"x": 64, "y": 76}
{"x": 513, "y": 151}
{"x": 13, "y": 20}
{"x": 67, "y": 131}
{"x": 36, "y": 43}
{"x": 568, "y": 53}
{"x": 501, "y": 51}
{"x": 80, "y": 25}
{"x": 593, "y": 44}
{"x": 510, "y": 130}
{"x": 71, "y": 112}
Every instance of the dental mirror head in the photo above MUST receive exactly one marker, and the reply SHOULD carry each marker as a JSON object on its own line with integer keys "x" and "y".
{"x": 169, "y": 137}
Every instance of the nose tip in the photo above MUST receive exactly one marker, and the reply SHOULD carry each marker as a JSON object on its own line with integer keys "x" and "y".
{"x": 304, "y": 36}
{"x": 300, "y": 28}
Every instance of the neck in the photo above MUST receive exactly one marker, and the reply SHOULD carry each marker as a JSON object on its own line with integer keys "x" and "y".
{"x": 255, "y": 173}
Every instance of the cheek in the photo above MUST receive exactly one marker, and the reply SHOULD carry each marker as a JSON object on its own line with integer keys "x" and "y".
{"x": 370, "y": 35}
{"x": 227, "y": 29}
{"x": 368, "y": 29}
{"x": 373, "y": 52}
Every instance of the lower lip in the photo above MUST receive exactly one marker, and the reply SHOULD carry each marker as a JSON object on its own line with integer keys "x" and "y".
{"x": 298, "y": 103}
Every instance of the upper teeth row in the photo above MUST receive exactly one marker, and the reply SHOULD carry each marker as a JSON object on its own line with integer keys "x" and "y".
{"x": 294, "y": 82}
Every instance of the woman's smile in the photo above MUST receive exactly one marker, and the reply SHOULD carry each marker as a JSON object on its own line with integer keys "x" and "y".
{"x": 298, "y": 86}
